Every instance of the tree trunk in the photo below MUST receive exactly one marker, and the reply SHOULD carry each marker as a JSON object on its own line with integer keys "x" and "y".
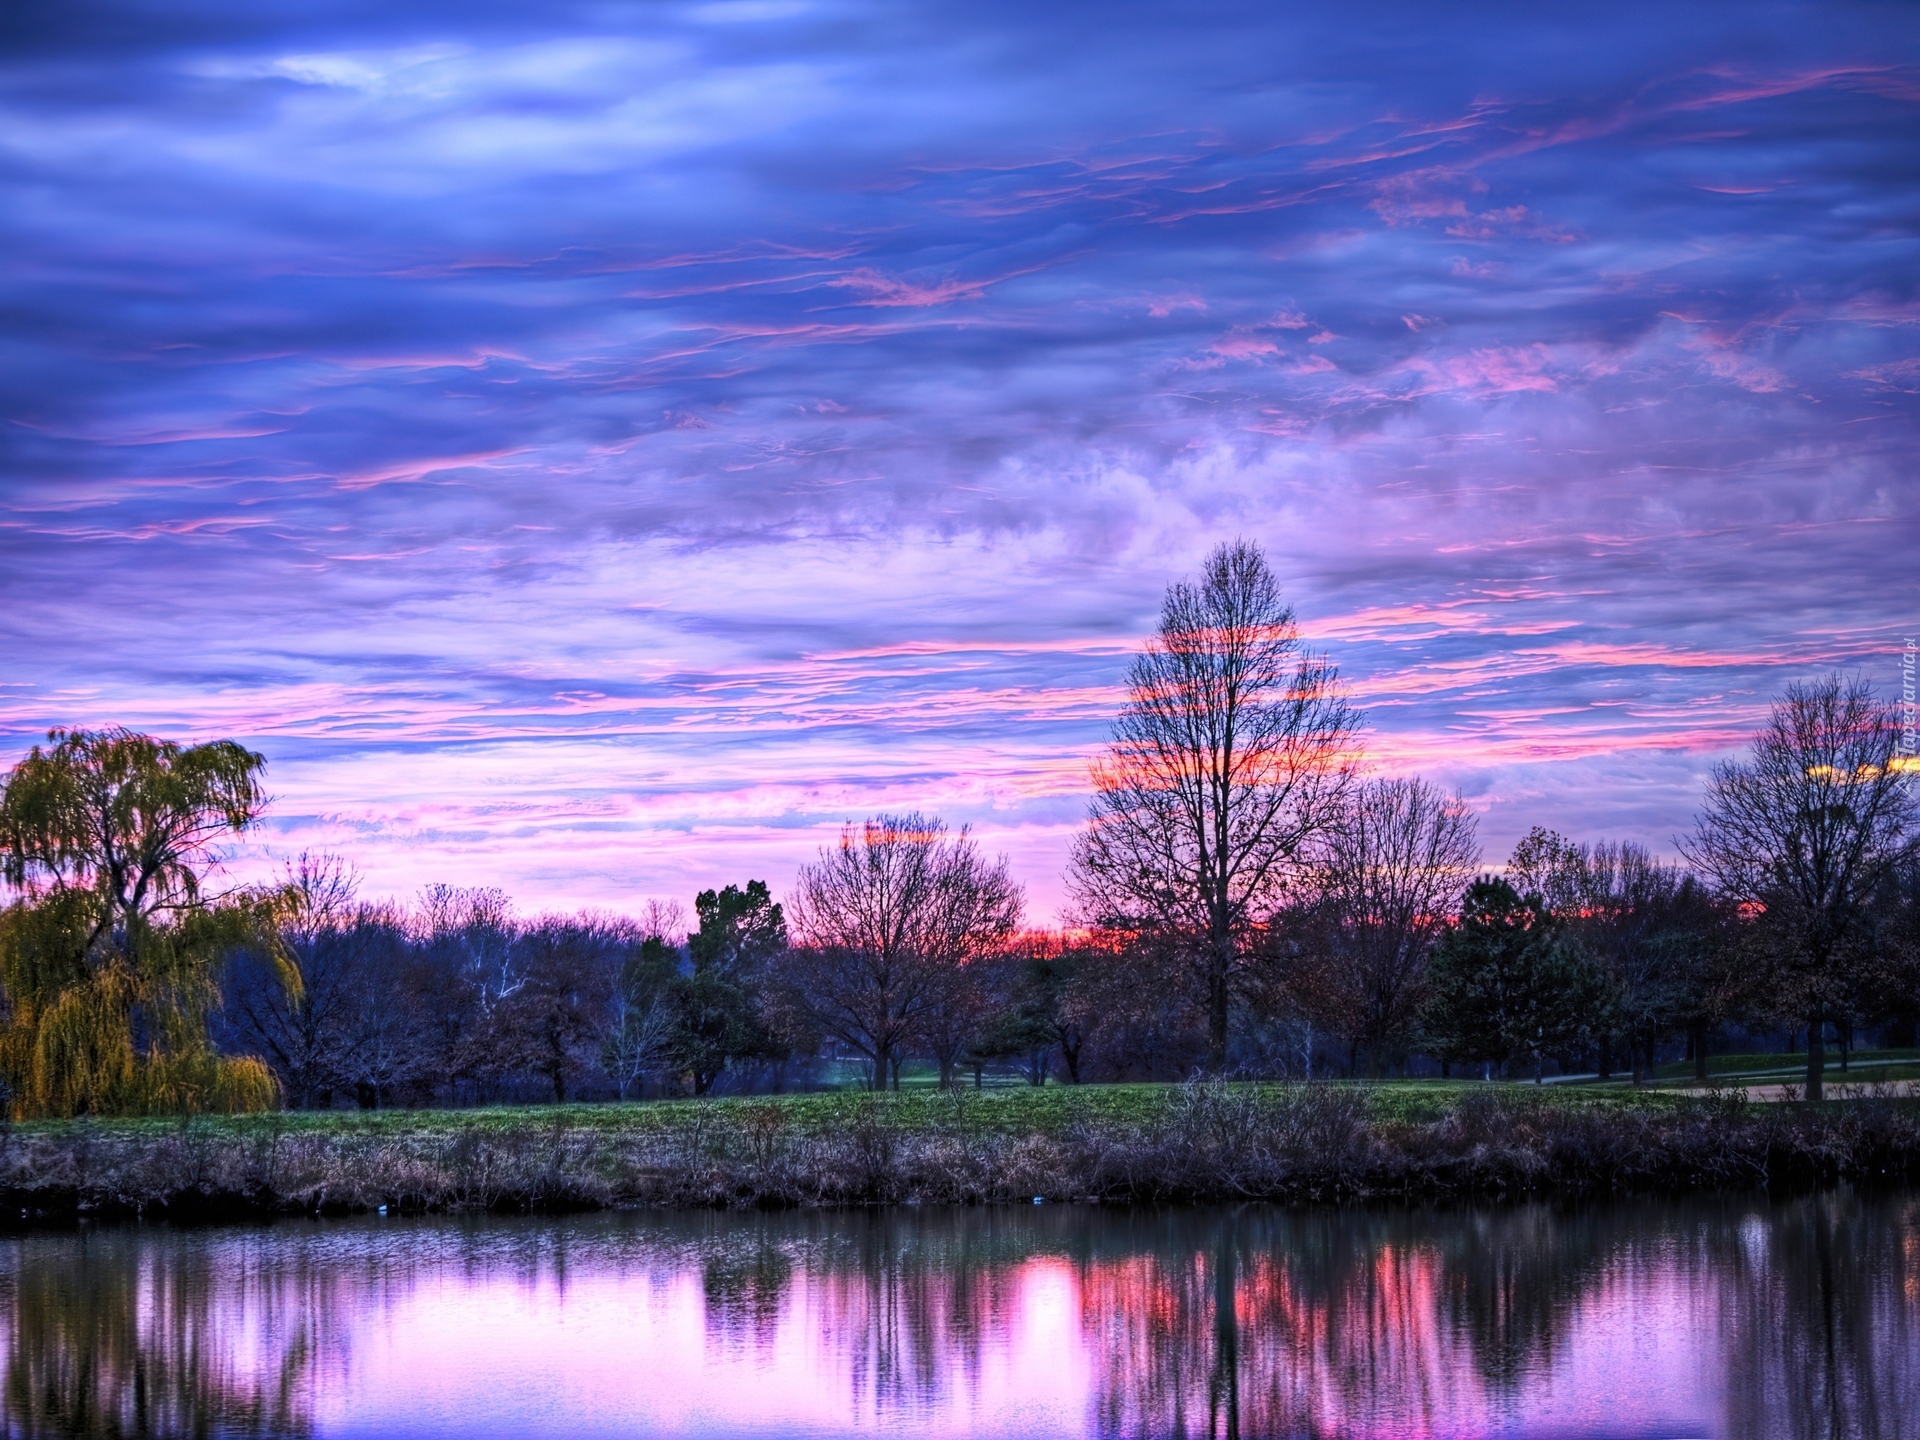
{"x": 1845, "y": 1031}
{"x": 1606, "y": 1057}
{"x": 1816, "y": 1059}
{"x": 1219, "y": 960}
{"x": 1700, "y": 1052}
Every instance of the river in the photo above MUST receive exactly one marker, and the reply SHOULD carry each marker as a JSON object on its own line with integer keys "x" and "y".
{"x": 1643, "y": 1319}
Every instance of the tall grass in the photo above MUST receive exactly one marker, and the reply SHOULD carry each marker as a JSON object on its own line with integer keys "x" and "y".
{"x": 1205, "y": 1141}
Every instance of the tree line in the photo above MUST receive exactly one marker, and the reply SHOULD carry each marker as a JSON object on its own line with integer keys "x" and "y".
{"x": 1245, "y": 898}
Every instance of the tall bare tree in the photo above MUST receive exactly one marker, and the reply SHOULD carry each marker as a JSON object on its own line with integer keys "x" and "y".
{"x": 1393, "y": 869}
{"x": 1803, "y": 831}
{"x": 1233, "y": 750}
{"x": 884, "y": 921}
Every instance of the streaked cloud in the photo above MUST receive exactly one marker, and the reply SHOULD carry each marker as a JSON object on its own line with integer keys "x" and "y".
{"x": 597, "y": 450}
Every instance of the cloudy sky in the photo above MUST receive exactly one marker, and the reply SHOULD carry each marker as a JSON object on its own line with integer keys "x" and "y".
{"x": 597, "y": 449}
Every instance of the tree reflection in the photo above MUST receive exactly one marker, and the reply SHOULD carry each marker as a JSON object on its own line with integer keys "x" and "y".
{"x": 1375, "y": 1322}
{"x": 1795, "y": 1319}
{"x": 110, "y": 1335}
{"x": 1820, "y": 1320}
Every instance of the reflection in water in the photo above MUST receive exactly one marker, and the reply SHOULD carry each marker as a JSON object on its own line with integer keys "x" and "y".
{"x": 111, "y": 1334}
{"x": 1708, "y": 1317}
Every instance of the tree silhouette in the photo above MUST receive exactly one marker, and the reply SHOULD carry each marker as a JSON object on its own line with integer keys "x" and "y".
{"x": 884, "y": 920}
{"x": 1507, "y": 984}
{"x": 717, "y": 1017}
{"x": 1804, "y": 831}
{"x": 1233, "y": 750}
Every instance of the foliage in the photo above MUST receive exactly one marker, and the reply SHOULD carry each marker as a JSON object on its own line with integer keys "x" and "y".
{"x": 1020, "y": 1014}
{"x": 127, "y": 987}
{"x": 1664, "y": 946}
{"x": 1506, "y": 983}
{"x": 110, "y": 954}
{"x": 717, "y": 1017}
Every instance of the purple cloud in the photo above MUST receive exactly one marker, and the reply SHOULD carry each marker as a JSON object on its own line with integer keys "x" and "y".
{"x": 598, "y": 450}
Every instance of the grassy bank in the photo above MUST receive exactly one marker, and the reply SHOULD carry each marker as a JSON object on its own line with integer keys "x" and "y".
{"x": 1118, "y": 1144}
{"x": 1863, "y": 1067}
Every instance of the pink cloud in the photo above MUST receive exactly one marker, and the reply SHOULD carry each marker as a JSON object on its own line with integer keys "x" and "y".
{"x": 414, "y": 470}
{"x": 884, "y": 290}
{"x": 1165, "y": 305}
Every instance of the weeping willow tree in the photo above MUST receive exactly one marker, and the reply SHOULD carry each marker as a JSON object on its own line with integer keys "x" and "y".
{"x": 110, "y": 951}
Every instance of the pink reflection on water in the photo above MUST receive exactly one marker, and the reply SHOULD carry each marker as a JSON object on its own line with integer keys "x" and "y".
{"x": 624, "y": 1352}
{"x": 1041, "y": 1346}
{"x": 1625, "y": 1322}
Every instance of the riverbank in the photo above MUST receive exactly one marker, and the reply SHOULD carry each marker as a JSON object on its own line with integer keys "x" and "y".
{"x": 1203, "y": 1142}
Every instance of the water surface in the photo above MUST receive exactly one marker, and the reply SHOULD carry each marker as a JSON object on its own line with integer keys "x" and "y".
{"x": 1704, "y": 1318}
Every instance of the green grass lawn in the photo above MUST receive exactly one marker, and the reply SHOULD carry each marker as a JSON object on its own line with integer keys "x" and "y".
{"x": 1007, "y": 1105}
{"x": 1773, "y": 1069}
{"x": 1010, "y": 1108}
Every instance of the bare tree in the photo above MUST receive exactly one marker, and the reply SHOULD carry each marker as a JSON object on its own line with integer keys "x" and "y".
{"x": 1392, "y": 870}
{"x": 664, "y": 921}
{"x": 1548, "y": 864}
{"x": 1232, "y": 752}
{"x": 641, "y": 1015}
{"x": 1804, "y": 831}
{"x": 476, "y": 926}
{"x": 960, "y": 1001}
{"x": 639, "y": 1033}
{"x": 402, "y": 1024}
{"x": 883, "y": 921}
{"x": 307, "y": 1036}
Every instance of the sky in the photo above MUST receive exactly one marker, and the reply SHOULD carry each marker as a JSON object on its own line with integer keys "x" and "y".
{"x": 599, "y": 449}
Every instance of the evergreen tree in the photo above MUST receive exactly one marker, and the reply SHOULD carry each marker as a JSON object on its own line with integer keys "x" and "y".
{"x": 1506, "y": 984}
{"x": 716, "y": 1004}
